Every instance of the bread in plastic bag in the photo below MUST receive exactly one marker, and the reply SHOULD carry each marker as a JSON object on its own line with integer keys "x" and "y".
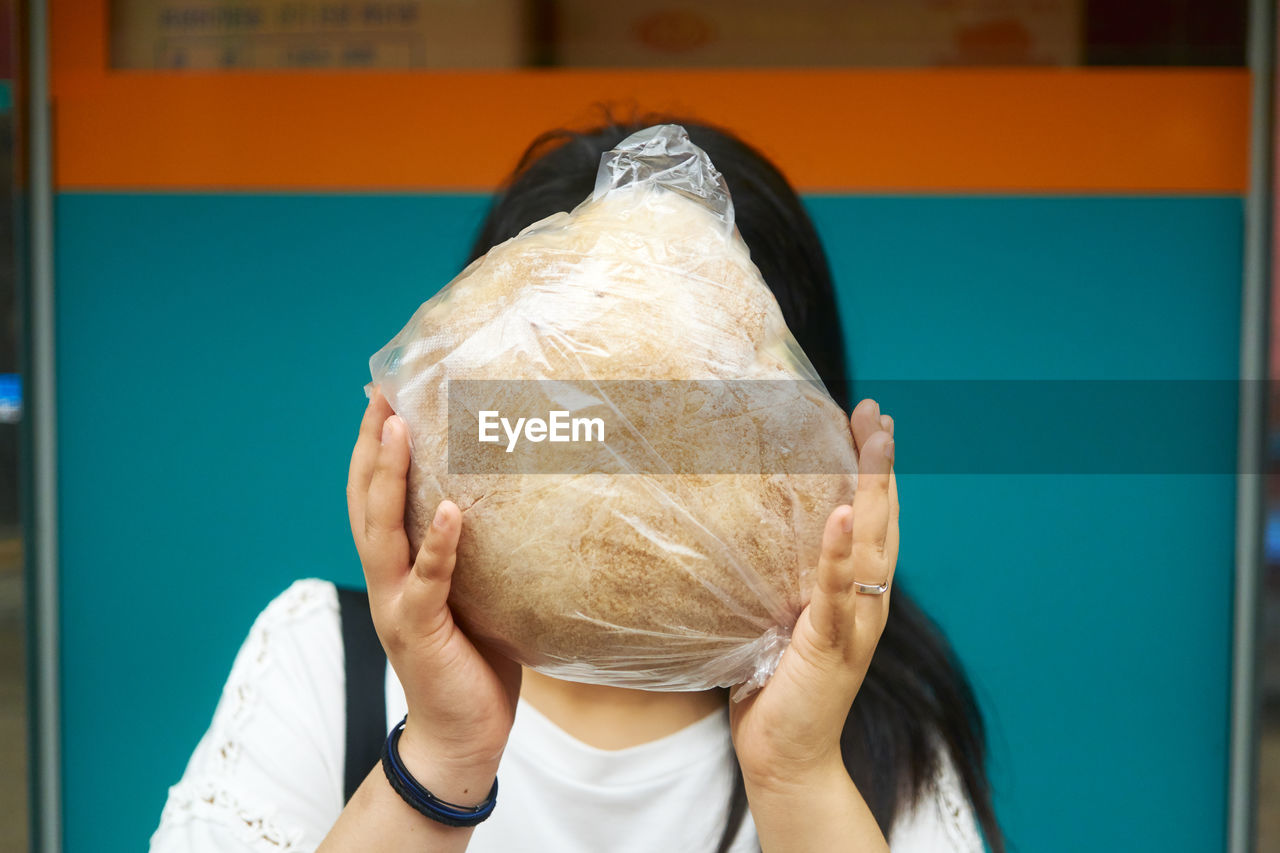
{"x": 648, "y": 575}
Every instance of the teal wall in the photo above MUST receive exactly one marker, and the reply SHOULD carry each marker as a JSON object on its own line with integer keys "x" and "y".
{"x": 211, "y": 355}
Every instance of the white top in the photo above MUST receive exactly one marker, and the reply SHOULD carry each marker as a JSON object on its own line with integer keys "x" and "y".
{"x": 267, "y": 775}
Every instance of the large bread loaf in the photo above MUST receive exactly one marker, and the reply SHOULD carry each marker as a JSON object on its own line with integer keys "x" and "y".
{"x": 678, "y": 553}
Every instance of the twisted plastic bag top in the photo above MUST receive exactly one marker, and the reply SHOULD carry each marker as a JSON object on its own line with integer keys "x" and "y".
{"x": 671, "y": 542}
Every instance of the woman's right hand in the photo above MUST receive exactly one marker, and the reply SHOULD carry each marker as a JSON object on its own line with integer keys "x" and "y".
{"x": 461, "y": 697}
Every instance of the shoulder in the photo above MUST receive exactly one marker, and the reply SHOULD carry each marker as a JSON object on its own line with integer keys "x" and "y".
{"x": 304, "y": 601}
{"x": 941, "y": 819}
{"x": 267, "y": 774}
{"x": 297, "y": 636}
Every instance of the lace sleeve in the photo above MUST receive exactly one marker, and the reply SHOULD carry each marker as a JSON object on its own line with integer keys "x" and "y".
{"x": 941, "y": 821}
{"x": 267, "y": 775}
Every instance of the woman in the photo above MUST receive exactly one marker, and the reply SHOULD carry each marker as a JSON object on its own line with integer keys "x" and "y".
{"x": 798, "y": 766}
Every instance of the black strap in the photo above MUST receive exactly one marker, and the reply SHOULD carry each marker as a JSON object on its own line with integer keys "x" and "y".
{"x": 366, "y": 667}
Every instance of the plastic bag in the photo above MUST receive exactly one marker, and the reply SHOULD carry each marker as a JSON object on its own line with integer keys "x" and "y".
{"x": 676, "y": 549}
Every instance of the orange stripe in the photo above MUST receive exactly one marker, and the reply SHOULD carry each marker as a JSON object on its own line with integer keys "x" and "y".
{"x": 838, "y": 130}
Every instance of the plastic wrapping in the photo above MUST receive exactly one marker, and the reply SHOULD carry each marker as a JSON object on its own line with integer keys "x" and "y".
{"x": 675, "y": 550}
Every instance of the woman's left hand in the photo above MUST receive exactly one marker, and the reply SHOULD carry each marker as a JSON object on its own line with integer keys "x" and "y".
{"x": 788, "y": 732}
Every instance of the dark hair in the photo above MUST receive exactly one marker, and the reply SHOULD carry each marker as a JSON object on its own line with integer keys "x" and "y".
{"x": 915, "y": 704}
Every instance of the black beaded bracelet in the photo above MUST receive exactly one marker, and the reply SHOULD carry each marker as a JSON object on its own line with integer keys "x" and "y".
{"x": 423, "y": 800}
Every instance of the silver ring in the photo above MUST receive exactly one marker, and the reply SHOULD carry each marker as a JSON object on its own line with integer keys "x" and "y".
{"x": 870, "y": 588}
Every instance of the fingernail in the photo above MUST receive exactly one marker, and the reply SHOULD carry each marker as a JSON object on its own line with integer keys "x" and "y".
{"x": 846, "y": 524}
{"x": 387, "y": 429}
{"x": 888, "y": 449}
{"x": 437, "y": 520}
{"x": 877, "y": 405}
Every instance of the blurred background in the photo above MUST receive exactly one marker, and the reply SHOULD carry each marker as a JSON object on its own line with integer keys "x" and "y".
{"x": 216, "y": 210}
